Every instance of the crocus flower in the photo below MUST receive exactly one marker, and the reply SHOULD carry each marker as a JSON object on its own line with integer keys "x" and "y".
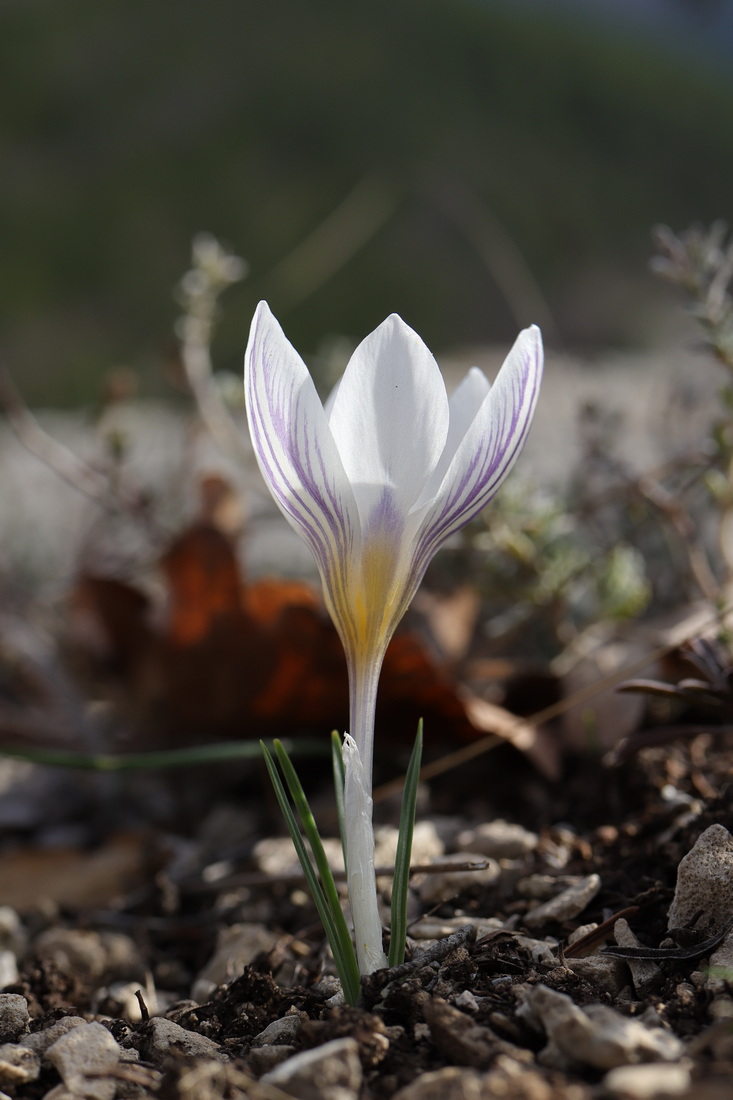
{"x": 375, "y": 482}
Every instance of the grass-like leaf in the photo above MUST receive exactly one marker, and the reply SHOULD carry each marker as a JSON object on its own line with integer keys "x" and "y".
{"x": 316, "y": 870}
{"x": 165, "y": 758}
{"x": 402, "y": 859}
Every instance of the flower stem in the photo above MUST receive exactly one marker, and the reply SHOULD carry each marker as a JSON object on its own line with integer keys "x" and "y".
{"x": 363, "y": 684}
{"x": 360, "y": 861}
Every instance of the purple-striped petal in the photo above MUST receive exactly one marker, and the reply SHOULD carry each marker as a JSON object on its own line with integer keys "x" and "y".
{"x": 298, "y": 457}
{"x": 486, "y": 453}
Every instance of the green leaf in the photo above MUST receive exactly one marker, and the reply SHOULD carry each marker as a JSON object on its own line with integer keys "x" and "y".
{"x": 317, "y": 871}
{"x": 401, "y": 881}
{"x": 165, "y": 758}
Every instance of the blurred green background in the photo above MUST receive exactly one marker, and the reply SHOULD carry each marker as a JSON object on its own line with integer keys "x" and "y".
{"x": 471, "y": 164}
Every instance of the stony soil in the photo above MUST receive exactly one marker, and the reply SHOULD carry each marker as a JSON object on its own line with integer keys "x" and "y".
{"x": 208, "y": 976}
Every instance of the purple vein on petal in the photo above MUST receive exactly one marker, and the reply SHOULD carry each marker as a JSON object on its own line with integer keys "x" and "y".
{"x": 305, "y": 491}
{"x": 482, "y": 475}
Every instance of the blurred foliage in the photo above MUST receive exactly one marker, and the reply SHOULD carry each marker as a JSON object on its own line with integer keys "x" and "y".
{"x": 457, "y": 156}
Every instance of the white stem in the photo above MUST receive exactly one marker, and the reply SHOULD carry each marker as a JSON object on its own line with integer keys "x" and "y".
{"x": 363, "y": 684}
{"x": 360, "y": 861}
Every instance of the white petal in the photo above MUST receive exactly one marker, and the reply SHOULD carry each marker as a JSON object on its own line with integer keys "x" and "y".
{"x": 296, "y": 452}
{"x": 463, "y": 405}
{"x": 390, "y": 417}
{"x": 487, "y": 452}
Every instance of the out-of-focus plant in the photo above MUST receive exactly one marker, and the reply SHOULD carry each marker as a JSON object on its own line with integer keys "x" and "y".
{"x": 536, "y": 564}
{"x": 375, "y": 482}
{"x": 213, "y": 269}
{"x": 700, "y": 262}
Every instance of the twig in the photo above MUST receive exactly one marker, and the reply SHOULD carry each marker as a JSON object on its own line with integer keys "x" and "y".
{"x": 692, "y": 952}
{"x": 295, "y": 878}
{"x": 373, "y": 984}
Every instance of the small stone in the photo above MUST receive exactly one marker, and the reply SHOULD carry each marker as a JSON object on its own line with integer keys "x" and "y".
{"x": 604, "y": 972}
{"x": 449, "y": 1083}
{"x": 40, "y": 1041}
{"x": 163, "y": 1037}
{"x": 279, "y": 1031}
{"x": 542, "y": 887}
{"x": 13, "y": 936}
{"x": 647, "y": 1082}
{"x": 14, "y": 1017}
{"x": 596, "y": 1035}
{"x": 328, "y": 1072}
{"x": 8, "y": 969}
{"x": 645, "y": 974}
{"x": 565, "y": 905}
{"x": 74, "y": 952}
{"x": 466, "y": 1001}
{"x": 83, "y": 1056}
{"x": 276, "y": 855}
{"x": 264, "y": 1059}
{"x": 580, "y": 932}
{"x": 704, "y": 882}
{"x": 18, "y": 1064}
{"x": 236, "y": 947}
{"x": 444, "y": 885}
{"x": 426, "y": 844}
{"x": 498, "y": 839}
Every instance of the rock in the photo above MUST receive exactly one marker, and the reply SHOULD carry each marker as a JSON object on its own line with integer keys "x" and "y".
{"x": 264, "y": 1059}
{"x": 13, "y": 936}
{"x": 279, "y": 1031}
{"x": 645, "y": 974}
{"x": 8, "y": 969}
{"x": 427, "y": 845}
{"x": 565, "y": 905}
{"x": 444, "y": 885}
{"x": 704, "y": 882}
{"x": 276, "y": 855}
{"x": 236, "y": 947}
{"x": 72, "y": 951}
{"x": 328, "y": 1072}
{"x": 14, "y": 1017}
{"x": 83, "y": 1057}
{"x": 648, "y": 1082}
{"x": 596, "y": 1035}
{"x": 603, "y": 972}
{"x": 163, "y": 1037}
{"x": 580, "y": 932}
{"x": 40, "y": 1041}
{"x": 18, "y": 1065}
{"x": 467, "y": 1001}
{"x": 498, "y": 839}
{"x": 449, "y": 1083}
